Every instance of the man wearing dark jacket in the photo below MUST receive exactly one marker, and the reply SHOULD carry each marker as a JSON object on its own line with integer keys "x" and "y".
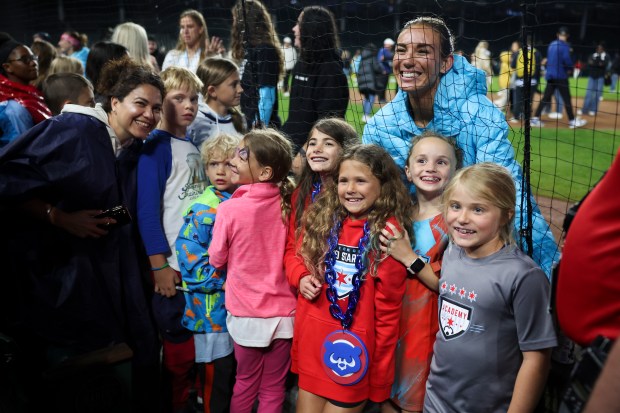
{"x": 559, "y": 63}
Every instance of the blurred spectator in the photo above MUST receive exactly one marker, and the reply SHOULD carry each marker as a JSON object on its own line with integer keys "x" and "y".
{"x": 319, "y": 88}
{"x": 65, "y": 64}
{"x": 597, "y": 67}
{"x": 505, "y": 73}
{"x": 385, "y": 56}
{"x": 155, "y": 51}
{"x": 46, "y": 52}
{"x": 356, "y": 60}
{"x": 134, "y": 38}
{"x": 481, "y": 58}
{"x": 345, "y": 55}
{"x": 194, "y": 44}
{"x": 531, "y": 70}
{"x": 559, "y": 63}
{"x": 100, "y": 54}
{"x": 367, "y": 76}
{"x": 42, "y": 36}
{"x": 290, "y": 58}
{"x": 615, "y": 72}
{"x": 74, "y": 44}
{"x": 256, "y": 43}
{"x": 21, "y": 104}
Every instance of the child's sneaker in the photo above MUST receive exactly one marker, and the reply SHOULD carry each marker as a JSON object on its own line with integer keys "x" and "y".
{"x": 577, "y": 123}
{"x": 536, "y": 123}
{"x": 555, "y": 115}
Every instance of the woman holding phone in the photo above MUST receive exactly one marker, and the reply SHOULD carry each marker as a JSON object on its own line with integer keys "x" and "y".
{"x": 74, "y": 277}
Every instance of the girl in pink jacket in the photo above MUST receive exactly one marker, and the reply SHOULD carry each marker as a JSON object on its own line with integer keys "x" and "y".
{"x": 249, "y": 237}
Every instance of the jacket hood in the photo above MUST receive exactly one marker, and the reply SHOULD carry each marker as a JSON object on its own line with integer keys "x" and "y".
{"x": 101, "y": 115}
{"x": 462, "y": 81}
{"x": 96, "y": 112}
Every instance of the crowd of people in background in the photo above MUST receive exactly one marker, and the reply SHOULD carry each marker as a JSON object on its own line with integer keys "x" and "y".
{"x": 156, "y": 209}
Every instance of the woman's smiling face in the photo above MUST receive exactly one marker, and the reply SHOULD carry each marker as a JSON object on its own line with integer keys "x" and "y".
{"x": 417, "y": 62}
{"x": 137, "y": 114}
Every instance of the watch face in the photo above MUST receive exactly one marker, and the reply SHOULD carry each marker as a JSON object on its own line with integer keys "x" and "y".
{"x": 417, "y": 265}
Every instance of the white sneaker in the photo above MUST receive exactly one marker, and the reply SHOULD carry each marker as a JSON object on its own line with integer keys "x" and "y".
{"x": 514, "y": 120}
{"x": 286, "y": 94}
{"x": 592, "y": 113}
{"x": 579, "y": 112}
{"x": 555, "y": 115}
{"x": 365, "y": 118}
{"x": 536, "y": 123}
{"x": 577, "y": 123}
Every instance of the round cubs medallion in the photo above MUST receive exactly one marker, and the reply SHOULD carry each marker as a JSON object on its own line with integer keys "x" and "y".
{"x": 345, "y": 358}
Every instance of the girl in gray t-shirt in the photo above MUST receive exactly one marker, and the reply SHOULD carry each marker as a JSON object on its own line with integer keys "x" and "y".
{"x": 492, "y": 351}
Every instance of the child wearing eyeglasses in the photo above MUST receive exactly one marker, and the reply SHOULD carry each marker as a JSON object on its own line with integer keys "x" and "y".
{"x": 21, "y": 104}
{"x": 249, "y": 239}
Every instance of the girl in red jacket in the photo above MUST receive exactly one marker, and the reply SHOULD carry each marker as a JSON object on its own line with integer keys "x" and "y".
{"x": 348, "y": 320}
{"x": 328, "y": 140}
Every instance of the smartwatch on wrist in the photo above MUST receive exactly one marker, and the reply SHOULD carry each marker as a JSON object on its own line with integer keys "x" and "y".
{"x": 416, "y": 266}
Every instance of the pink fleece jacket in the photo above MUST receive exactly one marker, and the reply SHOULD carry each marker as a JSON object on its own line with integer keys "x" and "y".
{"x": 249, "y": 238}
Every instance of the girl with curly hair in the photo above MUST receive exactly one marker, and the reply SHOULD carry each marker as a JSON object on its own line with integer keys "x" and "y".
{"x": 349, "y": 318}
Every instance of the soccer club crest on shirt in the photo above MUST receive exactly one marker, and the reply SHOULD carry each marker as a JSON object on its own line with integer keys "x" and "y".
{"x": 345, "y": 358}
{"x": 345, "y": 268}
{"x": 454, "y": 318}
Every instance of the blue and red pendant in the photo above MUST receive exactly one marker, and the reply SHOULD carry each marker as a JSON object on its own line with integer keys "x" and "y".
{"x": 345, "y": 358}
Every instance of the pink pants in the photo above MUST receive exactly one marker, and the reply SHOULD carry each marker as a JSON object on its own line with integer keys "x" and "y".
{"x": 261, "y": 371}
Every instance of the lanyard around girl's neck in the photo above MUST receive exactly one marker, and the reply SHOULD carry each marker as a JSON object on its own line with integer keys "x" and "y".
{"x": 331, "y": 278}
{"x": 316, "y": 189}
{"x": 345, "y": 357}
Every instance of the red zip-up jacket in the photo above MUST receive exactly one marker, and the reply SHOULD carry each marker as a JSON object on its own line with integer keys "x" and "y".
{"x": 375, "y": 321}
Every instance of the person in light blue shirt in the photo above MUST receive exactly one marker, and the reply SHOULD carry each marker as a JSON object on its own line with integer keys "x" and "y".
{"x": 441, "y": 91}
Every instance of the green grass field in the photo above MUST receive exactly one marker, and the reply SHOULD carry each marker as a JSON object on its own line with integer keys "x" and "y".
{"x": 565, "y": 163}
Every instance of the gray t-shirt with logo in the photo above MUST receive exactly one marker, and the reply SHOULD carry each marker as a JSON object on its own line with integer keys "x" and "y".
{"x": 490, "y": 310}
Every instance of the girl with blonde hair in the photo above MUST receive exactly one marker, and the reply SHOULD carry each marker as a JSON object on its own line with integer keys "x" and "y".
{"x": 493, "y": 348}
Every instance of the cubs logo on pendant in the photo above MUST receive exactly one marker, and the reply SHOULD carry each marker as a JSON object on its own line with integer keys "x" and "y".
{"x": 345, "y": 358}
{"x": 454, "y": 318}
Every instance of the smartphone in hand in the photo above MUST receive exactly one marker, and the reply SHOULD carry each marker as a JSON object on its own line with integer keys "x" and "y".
{"x": 119, "y": 213}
